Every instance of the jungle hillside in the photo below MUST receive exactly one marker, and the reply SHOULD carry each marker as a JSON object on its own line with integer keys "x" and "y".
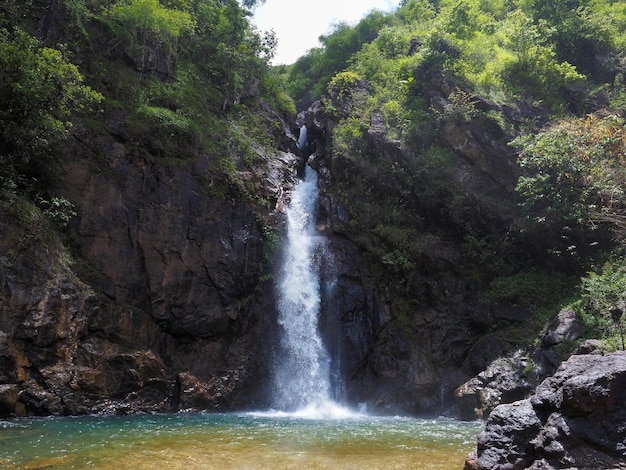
{"x": 472, "y": 162}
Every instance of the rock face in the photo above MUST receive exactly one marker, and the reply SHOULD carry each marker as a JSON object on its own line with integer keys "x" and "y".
{"x": 575, "y": 419}
{"x": 165, "y": 302}
{"x": 413, "y": 366}
{"x": 512, "y": 378}
{"x": 505, "y": 380}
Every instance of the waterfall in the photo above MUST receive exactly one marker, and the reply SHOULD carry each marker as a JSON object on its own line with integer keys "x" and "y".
{"x": 303, "y": 380}
{"x": 303, "y": 139}
{"x": 302, "y": 373}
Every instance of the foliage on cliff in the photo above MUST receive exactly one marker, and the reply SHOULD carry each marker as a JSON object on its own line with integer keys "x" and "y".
{"x": 540, "y": 82}
{"x": 406, "y": 91}
{"x": 41, "y": 93}
{"x": 186, "y": 77}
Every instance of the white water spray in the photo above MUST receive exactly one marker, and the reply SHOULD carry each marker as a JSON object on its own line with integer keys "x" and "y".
{"x": 302, "y": 373}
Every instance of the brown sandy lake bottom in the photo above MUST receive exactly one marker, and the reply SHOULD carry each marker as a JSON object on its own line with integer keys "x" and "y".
{"x": 235, "y": 441}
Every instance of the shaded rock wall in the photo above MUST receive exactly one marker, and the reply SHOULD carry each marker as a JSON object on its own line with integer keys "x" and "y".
{"x": 162, "y": 301}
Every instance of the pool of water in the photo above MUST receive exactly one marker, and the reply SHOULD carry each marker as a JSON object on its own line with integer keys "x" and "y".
{"x": 235, "y": 441}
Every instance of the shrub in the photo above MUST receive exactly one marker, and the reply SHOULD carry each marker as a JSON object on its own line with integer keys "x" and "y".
{"x": 576, "y": 171}
{"x": 529, "y": 289}
{"x": 148, "y": 22}
{"x": 58, "y": 210}
{"x": 601, "y": 304}
{"x": 41, "y": 93}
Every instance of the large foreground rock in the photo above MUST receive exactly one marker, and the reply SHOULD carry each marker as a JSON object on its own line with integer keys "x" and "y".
{"x": 576, "y": 419}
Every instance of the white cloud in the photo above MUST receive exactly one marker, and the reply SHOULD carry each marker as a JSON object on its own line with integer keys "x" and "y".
{"x": 298, "y": 23}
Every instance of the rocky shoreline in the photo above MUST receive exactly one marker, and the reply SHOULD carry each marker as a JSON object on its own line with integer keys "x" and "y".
{"x": 575, "y": 419}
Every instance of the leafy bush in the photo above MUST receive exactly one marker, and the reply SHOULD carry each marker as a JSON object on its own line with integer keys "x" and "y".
{"x": 58, "y": 210}
{"x": 529, "y": 289}
{"x": 166, "y": 118}
{"x": 348, "y": 137}
{"x": 342, "y": 84}
{"x": 147, "y": 25}
{"x": 603, "y": 299}
{"x": 41, "y": 92}
{"x": 576, "y": 171}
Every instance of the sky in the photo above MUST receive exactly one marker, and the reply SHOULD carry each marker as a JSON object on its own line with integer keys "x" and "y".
{"x": 299, "y": 23}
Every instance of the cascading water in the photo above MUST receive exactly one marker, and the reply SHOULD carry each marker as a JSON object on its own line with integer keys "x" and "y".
{"x": 302, "y": 375}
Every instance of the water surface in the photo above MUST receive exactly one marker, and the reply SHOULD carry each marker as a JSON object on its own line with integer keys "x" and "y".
{"x": 235, "y": 441}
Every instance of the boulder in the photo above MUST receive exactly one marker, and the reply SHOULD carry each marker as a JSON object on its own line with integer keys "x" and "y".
{"x": 576, "y": 419}
{"x": 566, "y": 326}
{"x": 505, "y": 380}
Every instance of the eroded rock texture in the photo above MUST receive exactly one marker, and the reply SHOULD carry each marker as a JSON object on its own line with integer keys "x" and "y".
{"x": 160, "y": 299}
{"x": 411, "y": 357}
{"x": 576, "y": 419}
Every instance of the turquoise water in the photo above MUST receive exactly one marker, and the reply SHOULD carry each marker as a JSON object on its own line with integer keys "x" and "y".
{"x": 234, "y": 441}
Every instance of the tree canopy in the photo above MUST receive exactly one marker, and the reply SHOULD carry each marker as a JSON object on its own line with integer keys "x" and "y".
{"x": 41, "y": 92}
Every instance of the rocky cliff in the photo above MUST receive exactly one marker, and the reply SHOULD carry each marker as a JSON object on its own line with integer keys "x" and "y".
{"x": 409, "y": 355}
{"x": 161, "y": 295}
{"x": 158, "y": 298}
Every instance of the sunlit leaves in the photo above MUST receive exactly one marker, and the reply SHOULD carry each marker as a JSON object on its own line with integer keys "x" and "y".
{"x": 601, "y": 301}
{"x": 40, "y": 91}
{"x": 416, "y": 11}
{"x": 576, "y": 170}
{"x": 148, "y": 23}
{"x": 536, "y": 70}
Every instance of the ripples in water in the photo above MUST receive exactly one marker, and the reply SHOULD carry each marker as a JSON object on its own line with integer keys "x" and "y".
{"x": 263, "y": 440}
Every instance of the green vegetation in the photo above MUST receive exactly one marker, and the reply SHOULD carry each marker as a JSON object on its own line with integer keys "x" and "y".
{"x": 576, "y": 171}
{"x": 538, "y": 77}
{"x": 191, "y": 78}
{"x": 184, "y": 74}
{"x": 41, "y": 93}
{"x": 528, "y": 289}
{"x": 602, "y": 302}
{"x": 308, "y": 77}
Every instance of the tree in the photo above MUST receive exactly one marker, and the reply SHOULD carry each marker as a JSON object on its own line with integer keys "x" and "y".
{"x": 416, "y": 10}
{"x": 576, "y": 172}
{"x": 252, "y": 3}
{"x": 536, "y": 69}
{"x": 41, "y": 91}
{"x": 149, "y": 29}
{"x": 227, "y": 50}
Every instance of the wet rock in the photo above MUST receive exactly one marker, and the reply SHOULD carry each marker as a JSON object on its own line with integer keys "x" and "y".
{"x": 410, "y": 361}
{"x": 515, "y": 376}
{"x": 9, "y": 403}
